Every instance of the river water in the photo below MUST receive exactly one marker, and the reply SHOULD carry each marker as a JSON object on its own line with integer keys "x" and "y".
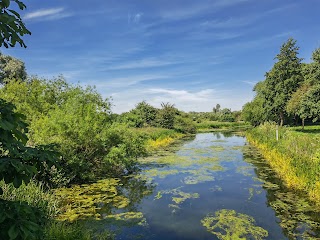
{"x": 215, "y": 186}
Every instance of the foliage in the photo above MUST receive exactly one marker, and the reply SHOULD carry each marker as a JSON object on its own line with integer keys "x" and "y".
{"x": 20, "y": 220}
{"x": 34, "y": 194}
{"x": 289, "y": 90}
{"x": 283, "y": 79}
{"x": 11, "y": 28}
{"x": 233, "y": 225}
{"x": 26, "y": 210}
{"x": 11, "y": 69}
{"x": 254, "y": 111}
{"x": 123, "y": 147}
{"x": 166, "y": 115}
{"x": 18, "y": 161}
{"x": 310, "y": 104}
{"x": 67, "y": 231}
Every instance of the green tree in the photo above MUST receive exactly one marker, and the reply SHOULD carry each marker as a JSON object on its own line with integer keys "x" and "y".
{"x": 19, "y": 163}
{"x": 11, "y": 69}
{"x": 166, "y": 115}
{"x": 283, "y": 80}
{"x": 310, "y": 104}
{"x": 146, "y": 112}
{"x": 294, "y": 105}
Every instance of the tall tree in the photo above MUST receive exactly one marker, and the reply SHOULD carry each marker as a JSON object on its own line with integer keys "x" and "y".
{"x": 283, "y": 80}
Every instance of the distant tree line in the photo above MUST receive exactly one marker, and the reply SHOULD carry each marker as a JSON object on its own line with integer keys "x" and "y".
{"x": 290, "y": 93}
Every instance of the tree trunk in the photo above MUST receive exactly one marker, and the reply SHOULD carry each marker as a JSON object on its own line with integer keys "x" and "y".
{"x": 281, "y": 118}
{"x": 302, "y": 123}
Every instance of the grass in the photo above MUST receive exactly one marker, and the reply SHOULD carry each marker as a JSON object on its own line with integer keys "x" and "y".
{"x": 34, "y": 195}
{"x": 295, "y": 157}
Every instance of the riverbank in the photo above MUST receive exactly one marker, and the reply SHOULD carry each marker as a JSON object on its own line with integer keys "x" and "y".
{"x": 295, "y": 157}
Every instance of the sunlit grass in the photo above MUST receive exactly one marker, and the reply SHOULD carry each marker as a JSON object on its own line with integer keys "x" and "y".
{"x": 295, "y": 157}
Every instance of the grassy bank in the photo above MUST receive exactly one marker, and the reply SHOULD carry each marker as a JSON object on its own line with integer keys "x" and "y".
{"x": 213, "y": 126}
{"x": 159, "y": 138}
{"x": 295, "y": 157}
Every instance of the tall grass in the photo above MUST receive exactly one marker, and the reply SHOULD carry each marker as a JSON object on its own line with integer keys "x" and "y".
{"x": 295, "y": 157}
{"x": 34, "y": 195}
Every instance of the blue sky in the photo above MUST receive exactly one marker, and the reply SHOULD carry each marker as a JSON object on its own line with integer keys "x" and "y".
{"x": 194, "y": 54}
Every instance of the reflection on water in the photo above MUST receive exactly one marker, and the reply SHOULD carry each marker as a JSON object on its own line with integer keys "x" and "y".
{"x": 214, "y": 187}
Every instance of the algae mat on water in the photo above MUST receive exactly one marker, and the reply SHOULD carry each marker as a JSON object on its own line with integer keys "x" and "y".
{"x": 228, "y": 224}
{"x": 105, "y": 199}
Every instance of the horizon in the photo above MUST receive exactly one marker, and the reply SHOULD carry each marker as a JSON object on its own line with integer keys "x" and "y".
{"x": 192, "y": 54}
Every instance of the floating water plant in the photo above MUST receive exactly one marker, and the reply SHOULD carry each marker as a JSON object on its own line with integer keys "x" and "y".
{"x": 178, "y": 196}
{"x": 228, "y": 225}
{"x": 127, "y": 218}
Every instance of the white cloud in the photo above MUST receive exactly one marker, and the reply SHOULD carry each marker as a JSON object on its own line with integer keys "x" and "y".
{"x": 186, "y": 100}
{"x": 47, "y": 14}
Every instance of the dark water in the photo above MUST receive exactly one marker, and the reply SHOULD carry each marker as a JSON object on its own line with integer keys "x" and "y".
{"x": 216, "y": 175}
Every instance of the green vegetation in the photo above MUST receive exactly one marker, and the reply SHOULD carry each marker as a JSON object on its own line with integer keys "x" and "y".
{"x": 212, "y": 126}
{"x": 228, "y": 224}
{"x": 290, "y": 92}
{"x": 295, "y": 157}
{"x": 289, "y": 95}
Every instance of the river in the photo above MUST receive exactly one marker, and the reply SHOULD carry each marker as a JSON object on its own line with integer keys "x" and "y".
{"x": 215, "y": 186}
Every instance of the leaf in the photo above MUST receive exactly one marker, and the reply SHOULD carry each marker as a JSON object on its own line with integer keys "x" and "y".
{"x": 6, "y": 3}
{"x": 17, "y": 181}
{"x": 13, "y": 232}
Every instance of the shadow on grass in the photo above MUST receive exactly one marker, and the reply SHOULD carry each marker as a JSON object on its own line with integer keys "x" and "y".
{"x": 313, "y": 131}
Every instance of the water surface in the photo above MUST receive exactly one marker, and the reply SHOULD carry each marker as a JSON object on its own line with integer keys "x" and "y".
{"x": 214, "y": 186}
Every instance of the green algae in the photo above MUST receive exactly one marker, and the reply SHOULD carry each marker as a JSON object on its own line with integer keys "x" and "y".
{"x": 217, "y": 148}
{"x": 85, "y": 201}
{"x": 216, "y": 188}
{"x": 228, "y": 225}
{"x": 253, "y": 192}
{"x": 177, "y": 196}
{"x": 244, "y": 170}
{"x": 156, "y": 172}
{"x": 126, "y": 219}
{"x": 93, "y": 201}
{"x": 198, "y": 179}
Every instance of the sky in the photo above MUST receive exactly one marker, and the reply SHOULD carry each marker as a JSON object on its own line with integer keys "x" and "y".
{"x": 194, "y": 54}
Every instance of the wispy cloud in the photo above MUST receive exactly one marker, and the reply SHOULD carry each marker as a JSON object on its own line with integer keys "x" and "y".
{"x": 144, "y": 63}
{"x": 251, "y": 83}
{"x": 194, "y": 9}
{"x": 134, "y": 18}
{"x": 47, "y": 14}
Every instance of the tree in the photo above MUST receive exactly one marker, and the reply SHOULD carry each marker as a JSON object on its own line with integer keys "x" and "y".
{"x": 310, "y": 103}
{"x": 11, "y": 69}
{"x": 216, "y": 109}
{"x": 11, "y": 26}
{"x": 283, "y": 80}
{"x": 295, "y": 106}
{"x": 304, "y": 103}
{"x": 166, "y": 115}
{"x": 147, "y": 113}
